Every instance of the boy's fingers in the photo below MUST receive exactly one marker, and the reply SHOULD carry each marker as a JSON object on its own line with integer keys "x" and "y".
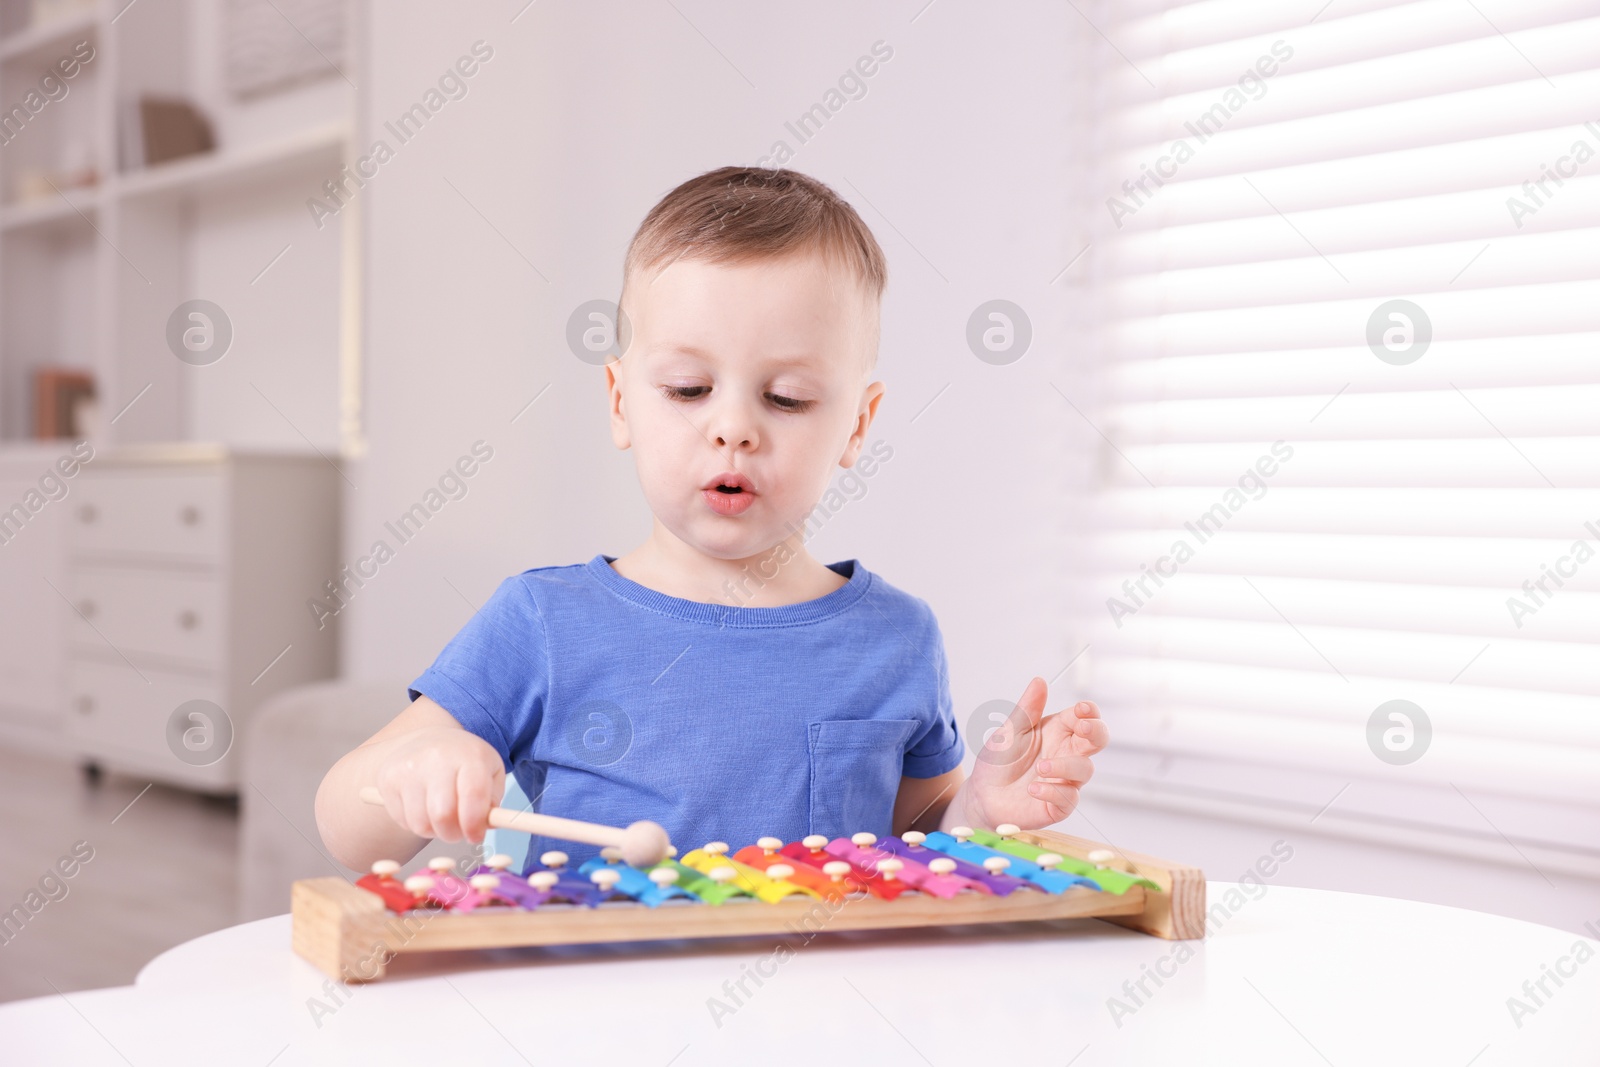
{"x": 413, "y": 816}
{"x": 470, "y": 818}
{"x": 1062, "y": 797}
{"x": 442, "y": 813}
{"x": 473, "y": 804}
{"x": 1091, "y": 735}
{"x": 1061, "y": 732}
{"x": 1064, "y": 766}
{"x": 1030, "y": 705}
{"x": 1056, "y": 733}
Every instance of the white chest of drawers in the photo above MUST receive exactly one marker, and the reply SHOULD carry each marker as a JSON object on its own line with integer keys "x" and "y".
{"x": 188, "y": 569}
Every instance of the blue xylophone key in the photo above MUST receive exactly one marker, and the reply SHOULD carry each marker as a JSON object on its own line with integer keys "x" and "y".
{"x": 636, "y": 883}
{"x": 573, "y": 887}
{"x": 1054, "y": 881}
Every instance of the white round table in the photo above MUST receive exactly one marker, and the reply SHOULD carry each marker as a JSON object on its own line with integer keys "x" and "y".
{"x": 1291, "y": 976}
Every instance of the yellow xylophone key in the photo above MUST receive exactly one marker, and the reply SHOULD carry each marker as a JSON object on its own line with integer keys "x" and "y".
{"x": 714, "y": 856}
{"x": 764, "y": 856}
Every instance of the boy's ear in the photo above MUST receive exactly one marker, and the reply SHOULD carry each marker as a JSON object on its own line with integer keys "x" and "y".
{"x": 869, "y": 400}
{"x": 619, "y": 417}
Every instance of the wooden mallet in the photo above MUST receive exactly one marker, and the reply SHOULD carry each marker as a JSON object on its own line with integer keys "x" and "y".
{"x": 642, "y": 844}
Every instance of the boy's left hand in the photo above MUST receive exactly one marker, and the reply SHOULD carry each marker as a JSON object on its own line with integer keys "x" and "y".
{"x": 1030, "y": 769}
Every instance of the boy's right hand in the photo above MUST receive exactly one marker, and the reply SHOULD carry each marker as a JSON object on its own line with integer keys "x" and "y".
{"x": 440, "y": 782}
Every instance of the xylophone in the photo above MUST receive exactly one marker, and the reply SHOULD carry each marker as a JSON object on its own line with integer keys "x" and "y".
{"x": 862, "y": 882}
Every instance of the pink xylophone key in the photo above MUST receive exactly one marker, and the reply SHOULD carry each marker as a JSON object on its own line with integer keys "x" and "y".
{"x": 862, "y": 851}
{"x": 445, "y": 887}
{"x": 875, "y": 882}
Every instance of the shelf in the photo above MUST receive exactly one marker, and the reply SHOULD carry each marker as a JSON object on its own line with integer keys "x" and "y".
{"x": 37, "y": 39}
{"x": 43, "y": 215}
{"x": 173, "y": 453}
{"x": 92, "y": 275}
{"x": 322, "y": 145}
{"x": 28, "y": 452}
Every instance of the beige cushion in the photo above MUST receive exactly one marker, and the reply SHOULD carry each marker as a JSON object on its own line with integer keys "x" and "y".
{"x": 289, "y": 745}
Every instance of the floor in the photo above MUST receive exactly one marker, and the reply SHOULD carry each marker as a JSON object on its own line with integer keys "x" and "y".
{"x": 160, "y": 870}
{"x": 152, "y": 867}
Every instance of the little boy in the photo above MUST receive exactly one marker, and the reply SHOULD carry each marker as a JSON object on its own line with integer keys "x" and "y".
{"x": 717, "y": 679}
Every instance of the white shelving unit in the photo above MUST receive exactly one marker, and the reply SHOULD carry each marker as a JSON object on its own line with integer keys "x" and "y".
{"x": 90, "y": 275}
{"x": 33, "y": 40}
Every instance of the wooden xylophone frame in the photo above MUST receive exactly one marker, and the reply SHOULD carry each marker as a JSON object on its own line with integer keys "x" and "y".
{"x": 351, "y": 935}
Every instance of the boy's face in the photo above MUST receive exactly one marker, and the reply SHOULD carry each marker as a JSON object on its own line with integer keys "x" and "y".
{"x": 758, "y": 368}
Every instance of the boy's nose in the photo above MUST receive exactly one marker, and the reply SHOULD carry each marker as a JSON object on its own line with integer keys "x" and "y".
{"x": 735, "y": 432}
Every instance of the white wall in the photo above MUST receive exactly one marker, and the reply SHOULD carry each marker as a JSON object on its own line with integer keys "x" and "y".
{"x": 958, "y": 157}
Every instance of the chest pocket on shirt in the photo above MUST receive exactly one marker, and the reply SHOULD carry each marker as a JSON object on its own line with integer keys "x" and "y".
{"x": 855, "y": 773}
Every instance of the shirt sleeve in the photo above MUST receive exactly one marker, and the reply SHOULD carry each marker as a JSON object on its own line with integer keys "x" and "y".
{"x": 939, "y": 748}
{"x": 494, "y": 674}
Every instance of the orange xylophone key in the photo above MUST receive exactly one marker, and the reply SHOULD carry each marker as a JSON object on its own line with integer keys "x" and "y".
{"x": 765, "y": 854}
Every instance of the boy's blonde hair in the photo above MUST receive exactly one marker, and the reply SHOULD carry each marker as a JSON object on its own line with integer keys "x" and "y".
{"x": 739, "y": 214}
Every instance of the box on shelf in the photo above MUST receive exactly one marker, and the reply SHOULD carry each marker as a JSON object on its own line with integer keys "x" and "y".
{"x": 157, "y": 129}
{"x": 57, "y": 392}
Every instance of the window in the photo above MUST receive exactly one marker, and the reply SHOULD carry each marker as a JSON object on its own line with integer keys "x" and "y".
{"x": 1348, "y": 268}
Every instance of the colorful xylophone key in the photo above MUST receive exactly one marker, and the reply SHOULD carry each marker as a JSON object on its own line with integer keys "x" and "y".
{"x": 865, "y": 851}
{"x": 495, "y": 879}
{"x": 956, "y": 844}
{"x": 765, "y": 856}
{"x": 651, "y": 886}
{"x": 809, "y": 853}
{"x": 440, "y": 885}
{"x": 817, "y": 851}
{"x": 550, "y": 873}
{"x": 712, "y": 859}
{"x": 1097, "y": 868}
{"x": 910, "y": 845}
{"x": 383, "y": 882}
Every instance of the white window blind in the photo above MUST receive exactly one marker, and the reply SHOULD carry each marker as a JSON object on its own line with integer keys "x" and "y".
{"x": 1273, "y": 176}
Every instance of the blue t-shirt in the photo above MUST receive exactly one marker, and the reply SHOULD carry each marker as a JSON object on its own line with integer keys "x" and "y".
{"x": 612, "y": 702}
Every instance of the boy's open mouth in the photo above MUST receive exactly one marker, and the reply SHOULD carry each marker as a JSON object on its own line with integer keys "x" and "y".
{"x": 730, "y": 482}
{"x": 729, "y": 493}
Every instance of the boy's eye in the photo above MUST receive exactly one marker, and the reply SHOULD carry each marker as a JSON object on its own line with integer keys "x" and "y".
{"x": 788, "y": 403}
{"x": 694, "y": 392}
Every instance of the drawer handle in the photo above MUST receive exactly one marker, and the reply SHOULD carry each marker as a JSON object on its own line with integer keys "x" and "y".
{"x": 84, "y": 704}
{"x": 87, "y": 513}
{"x": 86, "y": 608}
{"x": 190, "y": 515}
{"x": 188, "y": 620}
